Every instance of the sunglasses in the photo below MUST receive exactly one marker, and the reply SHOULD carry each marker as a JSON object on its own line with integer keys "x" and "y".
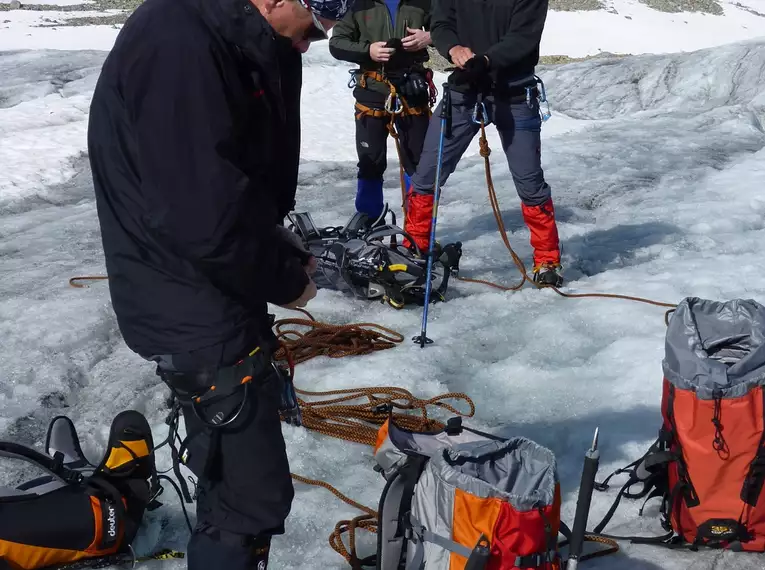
{"x": 316, "y": 32}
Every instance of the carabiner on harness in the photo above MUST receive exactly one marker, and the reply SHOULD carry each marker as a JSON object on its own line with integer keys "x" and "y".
{"x": 480, "y": 107}
{"x": 398, "y": 109}
{"x": 353, "y": 80}
{"x": 544, "y": 111}
{"x": 289, "y": 407}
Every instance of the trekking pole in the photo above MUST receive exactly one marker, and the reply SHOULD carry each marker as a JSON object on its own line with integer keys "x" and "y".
{"x": 589, "y": 471}
{"x": 446, "y": 111}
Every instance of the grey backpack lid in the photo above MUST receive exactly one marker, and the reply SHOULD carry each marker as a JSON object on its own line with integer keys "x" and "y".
{"x": 716, "y": 347}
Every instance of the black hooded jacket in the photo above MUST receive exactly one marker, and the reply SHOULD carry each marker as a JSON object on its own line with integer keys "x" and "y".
{"x": 194, "y": 141}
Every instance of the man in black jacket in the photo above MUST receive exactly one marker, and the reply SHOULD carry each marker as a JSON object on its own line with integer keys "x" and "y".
{"x": 194, "y": 141}
{"x": 495, "y": 46}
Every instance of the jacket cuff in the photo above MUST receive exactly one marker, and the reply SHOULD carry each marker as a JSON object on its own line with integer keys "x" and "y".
{"x": 447, "y": 49}
{"x": 291, "y": 285}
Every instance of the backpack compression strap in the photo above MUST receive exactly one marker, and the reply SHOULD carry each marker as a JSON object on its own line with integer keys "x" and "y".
{"x": 651, "y": 471}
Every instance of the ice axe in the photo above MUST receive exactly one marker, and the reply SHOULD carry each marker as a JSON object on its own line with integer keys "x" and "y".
{"x": 589, "y": 471}
{"x": 446, "y": 112}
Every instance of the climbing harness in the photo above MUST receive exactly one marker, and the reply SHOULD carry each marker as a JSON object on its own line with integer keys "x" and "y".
{"x": 396, "y": 105}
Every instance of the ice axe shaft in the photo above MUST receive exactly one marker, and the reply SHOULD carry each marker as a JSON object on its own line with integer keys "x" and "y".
{"x": 446, "y": 108}
{"x": 587, "y": 485}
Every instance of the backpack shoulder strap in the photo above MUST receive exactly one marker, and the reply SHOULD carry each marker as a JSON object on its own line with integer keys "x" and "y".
{"x": 395, "y": 507}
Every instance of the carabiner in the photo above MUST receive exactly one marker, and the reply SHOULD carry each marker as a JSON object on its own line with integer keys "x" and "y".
{"x": 479, "y": 107}
{"x": 542, "y": 98}
{"x": 389, "y": 105}
{"x": 542, "y": 92}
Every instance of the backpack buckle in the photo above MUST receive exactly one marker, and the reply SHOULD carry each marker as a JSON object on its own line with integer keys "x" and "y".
{"x": 453, "y": 426}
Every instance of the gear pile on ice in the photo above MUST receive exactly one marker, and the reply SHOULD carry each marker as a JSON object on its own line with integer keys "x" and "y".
{"x": 355, "y": 258}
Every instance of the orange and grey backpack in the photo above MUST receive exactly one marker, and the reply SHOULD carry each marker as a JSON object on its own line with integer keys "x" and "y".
{"x": 708, "y": 464}
{"x": 462, "y": 499}
{"x": 78, "y": 514}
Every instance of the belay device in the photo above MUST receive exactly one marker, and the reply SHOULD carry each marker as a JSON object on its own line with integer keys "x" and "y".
{"x": 78, "y": 512}
{"x": 355, "y": 258}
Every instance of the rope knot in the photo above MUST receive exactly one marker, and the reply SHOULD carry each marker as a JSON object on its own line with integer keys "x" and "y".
{"x": 484, "y": 149}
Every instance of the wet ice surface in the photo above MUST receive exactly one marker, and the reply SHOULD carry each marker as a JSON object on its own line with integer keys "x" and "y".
{"x": 657, "y": 166}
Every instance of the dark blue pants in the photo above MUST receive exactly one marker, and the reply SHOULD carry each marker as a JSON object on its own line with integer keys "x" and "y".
{"x": 519, "y": 128}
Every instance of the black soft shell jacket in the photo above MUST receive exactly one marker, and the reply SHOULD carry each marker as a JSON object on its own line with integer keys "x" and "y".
{"x": 194, "y": 140}
{"x": 507, "y": 31}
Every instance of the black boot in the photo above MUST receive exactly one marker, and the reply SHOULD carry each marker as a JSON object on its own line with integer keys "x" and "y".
{"x": 547, "y": 275}
{"x": 211, "y": 548}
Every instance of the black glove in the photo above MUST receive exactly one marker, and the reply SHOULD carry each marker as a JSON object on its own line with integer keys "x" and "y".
{"x": 298, "y": 248}
{"x": 478, "y": 66}
{"x": 395, "y": 43}
{"x": 475, "y": 72}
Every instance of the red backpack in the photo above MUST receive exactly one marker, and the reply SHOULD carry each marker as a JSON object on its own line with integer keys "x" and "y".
{"x": 708, "y": 463}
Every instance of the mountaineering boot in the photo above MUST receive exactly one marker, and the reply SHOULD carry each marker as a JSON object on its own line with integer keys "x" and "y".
{"x": 369, "y": 197}
{"x": 544, "y": 239}
{"x": 417, "y": 221}
{"x": 547, "y": 275}
{"x": 213, "y": 548}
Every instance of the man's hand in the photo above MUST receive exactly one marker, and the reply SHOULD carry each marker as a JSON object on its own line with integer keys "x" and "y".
{"x": 460, "y": 55}
{"x": 308, "y": 293}
{"x": 378, "y": 52}
{"x": 312, "y": 266}
{"x": 416, "y": 40}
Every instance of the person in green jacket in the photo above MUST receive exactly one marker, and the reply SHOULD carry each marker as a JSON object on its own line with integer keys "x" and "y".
{"x": 388, "y": 39}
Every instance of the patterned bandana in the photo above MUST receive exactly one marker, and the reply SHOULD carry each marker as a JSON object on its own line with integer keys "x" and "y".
{"x": 330, "y": 9}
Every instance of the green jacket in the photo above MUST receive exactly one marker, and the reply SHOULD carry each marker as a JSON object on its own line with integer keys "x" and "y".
{"x": 368, "y": 22}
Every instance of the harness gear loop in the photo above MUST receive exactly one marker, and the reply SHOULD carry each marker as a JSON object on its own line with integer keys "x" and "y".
{"x": 542, "y": 98}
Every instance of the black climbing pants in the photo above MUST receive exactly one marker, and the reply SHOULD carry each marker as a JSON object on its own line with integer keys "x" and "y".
{"x": 245, "y": 490}
{"x": 372, "y": 143}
